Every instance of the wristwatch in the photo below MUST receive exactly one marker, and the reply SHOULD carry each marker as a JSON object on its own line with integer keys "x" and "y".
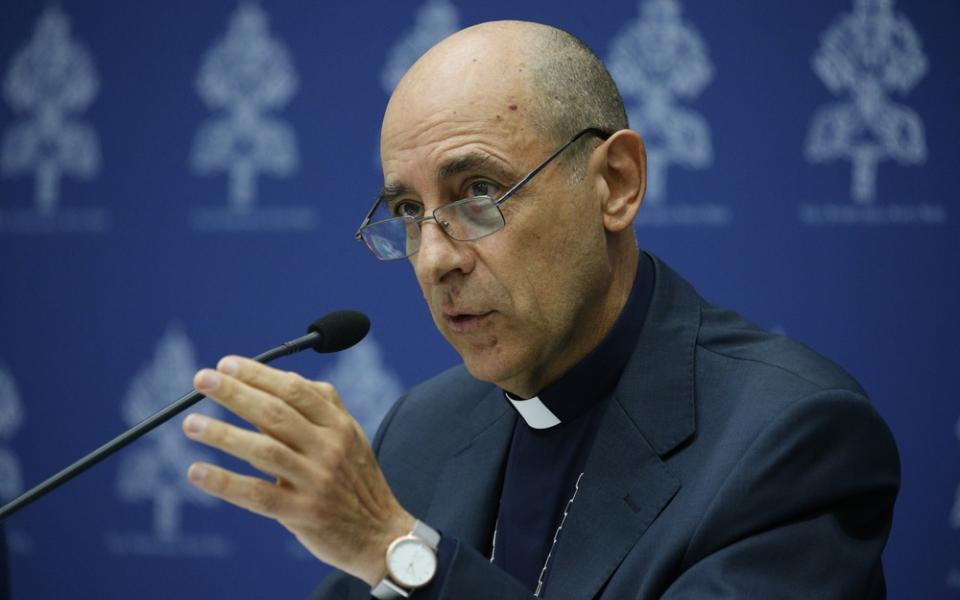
{"x": 411, "y": 563}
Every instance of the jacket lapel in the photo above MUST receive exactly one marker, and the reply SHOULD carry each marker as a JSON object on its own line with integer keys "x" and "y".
{"x": 626, "y": 484}
{"x": 624, "y": 488}
{"x": 473, "y": 474}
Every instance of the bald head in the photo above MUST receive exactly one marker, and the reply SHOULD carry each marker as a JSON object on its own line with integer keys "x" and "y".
{"x": 555, "y": 83}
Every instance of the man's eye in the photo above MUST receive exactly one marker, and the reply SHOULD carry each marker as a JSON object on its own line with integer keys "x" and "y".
{"x": 407, "y": 209}
{"x": 481, "y": 188}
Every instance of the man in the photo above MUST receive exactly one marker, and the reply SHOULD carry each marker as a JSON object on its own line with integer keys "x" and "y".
{"x": 611, "y": 435}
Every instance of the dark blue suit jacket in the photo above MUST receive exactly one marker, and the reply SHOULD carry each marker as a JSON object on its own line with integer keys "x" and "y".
{"x": 731, "y": 463}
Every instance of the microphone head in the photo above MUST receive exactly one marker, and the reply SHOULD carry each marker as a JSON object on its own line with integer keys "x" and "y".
{"x": 339, "y": 330}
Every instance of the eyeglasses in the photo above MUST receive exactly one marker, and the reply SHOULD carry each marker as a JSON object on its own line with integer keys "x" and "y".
{"x": 464, "y": 220}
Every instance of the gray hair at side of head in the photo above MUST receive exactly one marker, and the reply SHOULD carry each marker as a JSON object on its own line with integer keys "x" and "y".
{"x": 573, "y": 90}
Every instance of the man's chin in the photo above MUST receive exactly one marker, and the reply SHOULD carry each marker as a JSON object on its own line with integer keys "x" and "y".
{"x": 493, "y": 369}
{"x": 490, "y": 357}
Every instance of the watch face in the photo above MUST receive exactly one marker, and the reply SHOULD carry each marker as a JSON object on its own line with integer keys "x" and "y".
{"x": 411, "y": 563}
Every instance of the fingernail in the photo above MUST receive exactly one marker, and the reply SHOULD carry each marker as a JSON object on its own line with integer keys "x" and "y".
{"x": 208, "y": 380}
{"x": 197, "y": 472}
{"x": 196, "y": 423}
{"x": 229, "y": 366}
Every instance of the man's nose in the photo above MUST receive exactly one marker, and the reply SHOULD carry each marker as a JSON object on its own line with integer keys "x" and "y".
{"x": 439, "y": 254}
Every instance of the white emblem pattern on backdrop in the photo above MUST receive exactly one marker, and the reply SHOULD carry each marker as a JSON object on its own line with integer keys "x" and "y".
{"x": 657, "y": 60}
{"x": 367, "y": 385}
{"x": 50, "y": 80}
{"x": 865, "y": 56}
{"x": 247, "y": 74}
{"x": 11, "y": 419}
{"x": 154, "y": 469}
{"x": 11, "y": 475}
{"x": 435, "y": 20}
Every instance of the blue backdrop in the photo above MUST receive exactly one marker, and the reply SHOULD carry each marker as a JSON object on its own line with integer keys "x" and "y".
{"x": 180, "y": 180}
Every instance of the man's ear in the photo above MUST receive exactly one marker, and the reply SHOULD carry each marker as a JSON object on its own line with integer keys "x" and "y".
{"x": 623, "y": 167}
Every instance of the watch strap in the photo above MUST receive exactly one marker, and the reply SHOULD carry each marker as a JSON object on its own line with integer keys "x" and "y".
{"x": 388, "y": 590}
{"x": 426, "y": 533}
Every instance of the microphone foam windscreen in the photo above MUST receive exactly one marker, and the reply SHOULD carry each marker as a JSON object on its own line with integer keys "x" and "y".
{"x": 339, "y": 330}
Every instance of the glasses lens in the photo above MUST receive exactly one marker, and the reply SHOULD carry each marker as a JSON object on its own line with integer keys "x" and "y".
{"x": 471, "y": 218}
{"x": 393, "y": 238}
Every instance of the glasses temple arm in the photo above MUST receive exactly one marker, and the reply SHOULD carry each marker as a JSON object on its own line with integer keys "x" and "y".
{"x": 366, "y": 219}
{"x": 594, "y": 130}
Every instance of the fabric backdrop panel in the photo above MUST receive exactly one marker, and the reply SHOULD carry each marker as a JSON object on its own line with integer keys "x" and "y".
{"x": 181, "y": 180}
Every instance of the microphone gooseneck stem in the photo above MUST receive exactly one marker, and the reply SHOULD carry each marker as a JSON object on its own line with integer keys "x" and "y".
{"x": 139, "y": 430}
{"x": 303, "y": 342}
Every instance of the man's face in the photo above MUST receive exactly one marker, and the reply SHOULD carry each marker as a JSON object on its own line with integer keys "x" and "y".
{"x": 519, "y": 304}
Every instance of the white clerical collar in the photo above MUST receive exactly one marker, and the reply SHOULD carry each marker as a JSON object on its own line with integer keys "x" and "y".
{"x": 534, "y": 412}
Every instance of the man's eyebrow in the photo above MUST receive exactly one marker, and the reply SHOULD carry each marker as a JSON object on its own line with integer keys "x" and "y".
{"x": 461, "y": 164}
{"x": 391, "y": 191}
{"x": 447, "y": 170}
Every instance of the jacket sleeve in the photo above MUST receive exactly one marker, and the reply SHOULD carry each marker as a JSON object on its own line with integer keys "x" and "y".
{"x": 805, "y": 513}
{"x": 470, "y": 576}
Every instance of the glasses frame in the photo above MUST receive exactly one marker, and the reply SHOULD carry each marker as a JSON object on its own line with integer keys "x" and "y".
{"x": 600, "y": 133}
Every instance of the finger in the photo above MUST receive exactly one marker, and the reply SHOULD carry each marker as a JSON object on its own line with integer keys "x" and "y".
{"x": 318, "y": 401}
{"x": 269, "y": 413}
{"x": 251, "y": 493}
{"x": 261, "y": 451}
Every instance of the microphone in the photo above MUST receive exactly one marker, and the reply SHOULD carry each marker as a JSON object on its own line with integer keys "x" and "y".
{"x": 331, "y": 333}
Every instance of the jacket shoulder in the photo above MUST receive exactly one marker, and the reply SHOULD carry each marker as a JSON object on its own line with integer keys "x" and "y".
{"x": 744, "y": 347}
{"x": 443, "y": 399}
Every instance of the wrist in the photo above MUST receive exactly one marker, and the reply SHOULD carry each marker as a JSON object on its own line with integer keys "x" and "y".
{"x": 377, "y": 556}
